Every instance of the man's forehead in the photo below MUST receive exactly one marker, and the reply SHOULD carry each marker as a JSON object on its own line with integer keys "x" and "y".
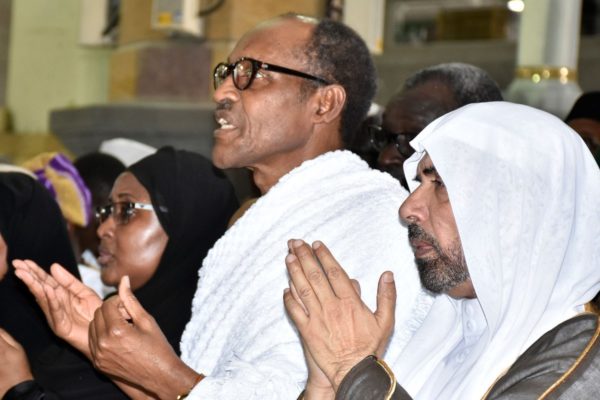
{"x": 281, "y": 39}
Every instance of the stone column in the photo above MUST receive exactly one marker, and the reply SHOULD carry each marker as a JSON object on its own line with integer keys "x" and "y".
{"x": 546, "y": 73}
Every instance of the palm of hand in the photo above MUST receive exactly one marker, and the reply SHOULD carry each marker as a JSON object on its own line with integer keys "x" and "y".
{"x": 67, "y": 303}
{"x": 71, "y": 314}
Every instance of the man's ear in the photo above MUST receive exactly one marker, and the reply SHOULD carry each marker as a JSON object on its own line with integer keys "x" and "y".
{"x": 330, "y": 101}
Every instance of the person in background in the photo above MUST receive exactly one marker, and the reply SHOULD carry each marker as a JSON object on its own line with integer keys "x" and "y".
{"x": 99, "y": 172}
{"x": 128, "y": 151}
{"x": 31, "y": 356}
{"x": 60, "y": 177}
{"x": 426, "y": 95}
{"x": 503, "y": 220}
{"x": 584, "y": 118}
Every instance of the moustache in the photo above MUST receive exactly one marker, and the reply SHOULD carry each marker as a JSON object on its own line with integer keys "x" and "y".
{"x": 415, "y": 232}
{"x": 224, "y": 105}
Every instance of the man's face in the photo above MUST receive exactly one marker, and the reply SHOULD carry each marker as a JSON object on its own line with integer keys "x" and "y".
{"x": 267, "y": 124}
{"x": 434, "y": 236}
{"x": 407, "y": 115}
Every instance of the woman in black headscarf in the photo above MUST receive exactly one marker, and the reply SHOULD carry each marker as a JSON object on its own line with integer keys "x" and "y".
{"x": 191, "y": 205}
{"x": 165, "y": 212}
{"x": 32, "y": 227}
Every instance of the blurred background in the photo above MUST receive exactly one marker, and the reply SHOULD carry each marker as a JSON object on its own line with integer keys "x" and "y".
{"x": 74, "y": 73}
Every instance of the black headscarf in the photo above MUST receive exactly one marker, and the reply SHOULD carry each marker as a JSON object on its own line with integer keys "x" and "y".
{"x": 33, "y": 228}
{"x": 193, "y": 202}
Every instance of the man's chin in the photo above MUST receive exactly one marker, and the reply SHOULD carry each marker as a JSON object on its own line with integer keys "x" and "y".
{"x": 221, "y": 158}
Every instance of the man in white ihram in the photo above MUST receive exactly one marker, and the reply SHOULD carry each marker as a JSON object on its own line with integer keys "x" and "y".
{"x": 289, "y": 95}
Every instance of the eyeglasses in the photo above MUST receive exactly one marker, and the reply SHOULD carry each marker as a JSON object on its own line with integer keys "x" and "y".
{"x": 121, "y": 211}
{"x": 245, "y": 69}
{"x": 381, "y": 138}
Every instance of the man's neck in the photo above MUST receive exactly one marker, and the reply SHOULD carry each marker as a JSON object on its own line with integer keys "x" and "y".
{"x": 266, "y": 175}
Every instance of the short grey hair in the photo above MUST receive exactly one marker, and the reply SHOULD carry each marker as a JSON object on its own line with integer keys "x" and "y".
{"x": 468, "y": 83}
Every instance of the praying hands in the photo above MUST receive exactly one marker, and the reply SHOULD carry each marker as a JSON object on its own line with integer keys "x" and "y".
{"x": 337, "y": 328}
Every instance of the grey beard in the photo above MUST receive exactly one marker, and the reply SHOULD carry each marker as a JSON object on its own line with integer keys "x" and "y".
{"x": 441, "y": 272}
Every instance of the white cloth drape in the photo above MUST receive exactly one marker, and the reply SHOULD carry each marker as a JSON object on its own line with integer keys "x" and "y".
{"x": 525, "y": 193}
{"x": 239, "y": 335}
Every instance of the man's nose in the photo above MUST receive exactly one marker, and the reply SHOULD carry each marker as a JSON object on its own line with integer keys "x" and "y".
{"x": 226, "y": 91}
{"x": 413, "y": 210}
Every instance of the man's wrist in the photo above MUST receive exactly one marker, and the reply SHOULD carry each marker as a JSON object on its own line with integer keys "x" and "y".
{"x": 314, "y": 392}
{"x": 343, "y": 369}
{"x": 178, "y": 383}
{"x": 191, "y": 386}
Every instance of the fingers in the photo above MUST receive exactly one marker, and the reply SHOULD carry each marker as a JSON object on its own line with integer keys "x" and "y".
{"x": 313, "y": 271}
{"x": 386, "y": 301}
{"x": 35, "y": 280}
{"x": 300, "y": 281}
{"x": 94, "y": 329}
{"x": 294, "y": 309}
{"x": 4, "y": 335}
{"x": 337, "y": 277}
{"x": 56, "y": 309}
{"x": 68, "y": 281}
{"x": 131, "y": 306}
{"x": 36, "y": 272}
{"x": 297, "y": 297}
{"x": 356, "y": 286}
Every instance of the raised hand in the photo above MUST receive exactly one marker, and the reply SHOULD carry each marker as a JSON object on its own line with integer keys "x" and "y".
{"x": 127, "y": 344}
{"x": 14, "y": 367}
{"x": 338, "y": 329}
{"x": 68, "y": 304}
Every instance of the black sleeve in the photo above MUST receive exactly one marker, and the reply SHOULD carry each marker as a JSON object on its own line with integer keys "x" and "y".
{"x": 370, "y": 379}
{"x": 28, "y": 390}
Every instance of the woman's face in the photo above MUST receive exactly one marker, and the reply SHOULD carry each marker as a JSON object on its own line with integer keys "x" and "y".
{"x": 3, "y": 255}
{"x": 134, "y": 245}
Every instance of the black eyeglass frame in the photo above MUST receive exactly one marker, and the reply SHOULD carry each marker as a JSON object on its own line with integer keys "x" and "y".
{"x": 400, "y": 140}
{"x": 219, "y": 77}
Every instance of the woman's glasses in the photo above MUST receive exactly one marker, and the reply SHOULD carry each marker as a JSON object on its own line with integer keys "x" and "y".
{"x": 121, "y": 211}
{"x": 245, "y": 69}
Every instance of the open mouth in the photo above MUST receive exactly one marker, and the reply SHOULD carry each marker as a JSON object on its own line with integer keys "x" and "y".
{"x": 224, "y": 124}
{"x": 104, "y": 257}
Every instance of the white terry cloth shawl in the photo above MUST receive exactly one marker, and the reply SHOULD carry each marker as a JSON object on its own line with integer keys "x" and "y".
{"x": 525, "y": 193}
{"x": 239, "y": 334}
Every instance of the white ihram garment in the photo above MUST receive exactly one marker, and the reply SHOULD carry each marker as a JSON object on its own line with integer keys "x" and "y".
{"x": 239, "y": 335}
{"x": 525, "y": 193}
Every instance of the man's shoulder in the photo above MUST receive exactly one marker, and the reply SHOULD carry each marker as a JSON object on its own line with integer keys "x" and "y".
{"x": 564, "y": 363}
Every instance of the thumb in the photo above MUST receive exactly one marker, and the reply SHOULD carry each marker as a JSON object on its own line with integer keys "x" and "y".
{"x": 4, "y": 335}
{"x": 356, "y": 286}
{"x": 129, "y": 301}
{"x": 386, "y": 301}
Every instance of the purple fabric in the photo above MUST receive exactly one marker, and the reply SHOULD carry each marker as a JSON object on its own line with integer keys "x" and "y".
{"x": 41, "y": 176}
{"x": 64, "y": 167}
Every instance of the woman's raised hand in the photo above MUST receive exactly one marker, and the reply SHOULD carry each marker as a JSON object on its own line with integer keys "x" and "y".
{"x": 68, "y": 304}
